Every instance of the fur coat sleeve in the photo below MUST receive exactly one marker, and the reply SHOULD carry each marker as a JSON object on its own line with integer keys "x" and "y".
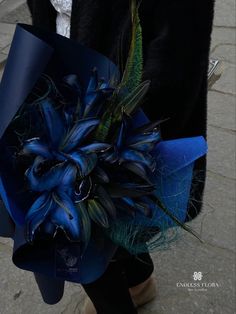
{"x": 176, "y": 42}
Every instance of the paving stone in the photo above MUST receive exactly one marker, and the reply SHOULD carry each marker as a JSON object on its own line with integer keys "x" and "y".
{"x": 221, "y": 110}
{"x": 8, "y": 6}
{"x": 225, "y": 13}
{"x": 1, "y": 73}
{"x": 20, "y": 294}
{"x": 222, "y": 36}
{"x": 178, "y": 264}
{"x": 226, "y": 52}
{"x": 221, "y": 155}
{"x": 216, "y": 222}
{"x": 226, "y": 83}
{"x": 20, "y": 15}
{"x": 2, "y": 57}
{"x": 6, "y": 49}
{"x": 6, "y": 33}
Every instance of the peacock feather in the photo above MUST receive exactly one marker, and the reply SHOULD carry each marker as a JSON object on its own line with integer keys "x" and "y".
{"x": 134, "y": 66}
{"x": 130, "y": 92}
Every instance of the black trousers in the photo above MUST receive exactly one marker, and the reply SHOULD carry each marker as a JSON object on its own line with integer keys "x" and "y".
{"x": 110, "y": 293}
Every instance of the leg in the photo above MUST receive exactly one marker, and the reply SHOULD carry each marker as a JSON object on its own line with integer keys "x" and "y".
{"x": 138, "y": 268}
{"x": 141, "y": 282}
{"x": 7, "y": 226}
{"x": 110, "y": 293}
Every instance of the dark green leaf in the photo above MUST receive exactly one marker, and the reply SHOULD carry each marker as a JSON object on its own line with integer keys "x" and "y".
{"x": 97, "y": 213}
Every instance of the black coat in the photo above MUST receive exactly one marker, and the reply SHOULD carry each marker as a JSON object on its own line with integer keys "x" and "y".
{"x": 176, "y": 41}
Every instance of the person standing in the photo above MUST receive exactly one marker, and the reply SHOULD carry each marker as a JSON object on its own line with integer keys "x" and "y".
{"x": 176, "y": 41}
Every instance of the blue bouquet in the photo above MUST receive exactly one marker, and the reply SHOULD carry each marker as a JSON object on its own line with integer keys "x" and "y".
{"x": 82, "y": 169}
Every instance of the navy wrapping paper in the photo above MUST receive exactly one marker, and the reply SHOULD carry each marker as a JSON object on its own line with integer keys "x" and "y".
{"x": 32, "y": 53}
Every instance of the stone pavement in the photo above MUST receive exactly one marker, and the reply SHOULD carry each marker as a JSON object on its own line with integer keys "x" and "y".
{"x": 175, "y": 267}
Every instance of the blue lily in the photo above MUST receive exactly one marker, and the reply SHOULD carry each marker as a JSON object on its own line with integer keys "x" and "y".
{"x": 97, "y": 92}
{"x": 61, "y": 161}
{"x": 91, "y": 100}
{"x": 54, "y": 206}
{"x": 134, "y": 149}
{"x": 64, "y": 143}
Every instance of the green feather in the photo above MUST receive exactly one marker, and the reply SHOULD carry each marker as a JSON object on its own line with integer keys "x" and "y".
{"x": 131, "y": 79}
{"x": 134, "y": 67}
{"x": 132, "y": 101}
{"x": 176, "y": 220}
{"x": 103, "y": 127}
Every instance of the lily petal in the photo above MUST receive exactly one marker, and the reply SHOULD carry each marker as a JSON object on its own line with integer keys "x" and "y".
{"x": 66, "y": 216}
{"x": 149, "y": 127}
{"x": 101, "y": 175}
{"x": 56, "y": 176}
{"x": 138, "y": 169}
{"x": 129, "y": 201}
{"x": 37, "y": 147}
{"x": 78, "y": 133}
{"x": 54, "y": 123}
{"x": 147, "y": 138}
{"x": 95, "y": 148}
{"x": 138, "y": 157}
{"x": 120, "y": 138}
{"x": 129, "y": 190}
{"x": 37, "y": 214}
{"x": 85, "y": 163}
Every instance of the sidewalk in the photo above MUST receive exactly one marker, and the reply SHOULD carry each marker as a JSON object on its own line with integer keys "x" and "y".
{"x": 11, "y": 12}
{"x": 174, "y": 268}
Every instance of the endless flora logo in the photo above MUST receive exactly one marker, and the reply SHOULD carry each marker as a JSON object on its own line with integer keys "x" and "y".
{"x": 197, "y": 275}
{"x": 199, "y": 284}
